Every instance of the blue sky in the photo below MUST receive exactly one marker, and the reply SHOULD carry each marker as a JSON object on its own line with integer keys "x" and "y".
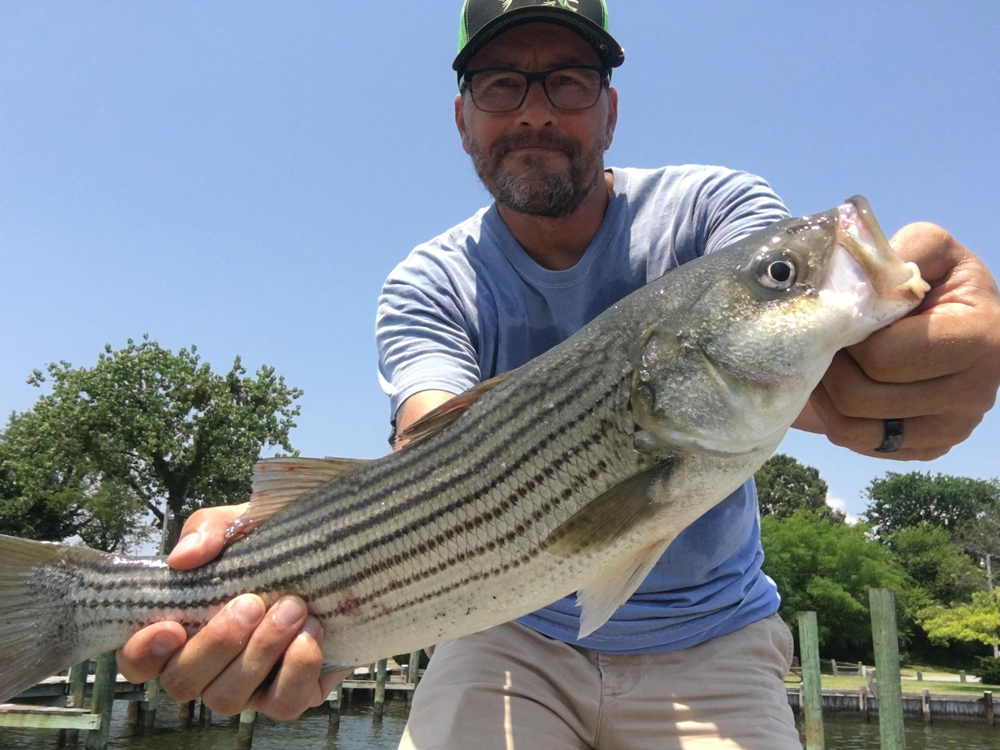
{"x": 244, "y": 176}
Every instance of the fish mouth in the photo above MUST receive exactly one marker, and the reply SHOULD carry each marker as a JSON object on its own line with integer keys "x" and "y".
{"x": 859, "y": 233}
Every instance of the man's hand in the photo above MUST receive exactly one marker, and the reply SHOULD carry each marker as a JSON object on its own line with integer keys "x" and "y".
{"x": 938, "y": 369}
{"x": 226, "y": 662}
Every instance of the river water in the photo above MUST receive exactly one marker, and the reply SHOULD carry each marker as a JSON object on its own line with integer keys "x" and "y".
{"x": 357, "y": 733}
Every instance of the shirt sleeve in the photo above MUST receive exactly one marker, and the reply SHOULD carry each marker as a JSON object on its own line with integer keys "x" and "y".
{"x": 426, "y": 329}
{"x": 737, "y": 205}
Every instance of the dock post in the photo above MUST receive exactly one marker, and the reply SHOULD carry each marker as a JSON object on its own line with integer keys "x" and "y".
{"x": 833, "y": 667}
{"x": 413, "y": 673}
{"x": 925, "y": 705}
{"x": 186, "y": 713}
{"x": 863, "y": 703}
{"x": 244, "y": 738}
{"x": 861, "y": 670}
{"x": 103, "y": 699}
{"x": 988, "y": 704}
{"x": 961, "y": 675}
{"x": 812, "y": 687}
{"x": 77, "y": 688}
{"x": 920, "y": 676}
{"x": 335, "y": 701}
{"x": 152, "y": 701}
{"x": 204, "y": 715}
{"x": 379, "y": 702}
{"x": 890, "y": 689}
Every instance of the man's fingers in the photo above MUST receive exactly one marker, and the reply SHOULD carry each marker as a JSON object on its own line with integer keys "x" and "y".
{"x": 297, "y": 685}
{"x": 209, "y": 652}
{"x": 330, "y": 680}
{"x": 203, "y": 536}
{"x": 146, "y": 652}
{"x": 231, "y": 691}
{"x": 924, "y": 346}
{"x": 855, "y": 394}
{"x": 924, "y": 438}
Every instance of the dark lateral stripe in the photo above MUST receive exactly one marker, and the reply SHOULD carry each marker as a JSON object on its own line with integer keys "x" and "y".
{"x": 432, "y": 463}
{"x": 254, "y": 566}
{"x": 308, "y": 551}
{"x": 428, "y": 545}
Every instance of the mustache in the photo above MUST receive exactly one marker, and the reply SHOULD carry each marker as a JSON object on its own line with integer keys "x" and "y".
{"x": 538, "y": 139}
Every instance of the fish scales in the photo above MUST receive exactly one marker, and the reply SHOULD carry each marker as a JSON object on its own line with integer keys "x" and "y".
{"x": 572, "y": 473}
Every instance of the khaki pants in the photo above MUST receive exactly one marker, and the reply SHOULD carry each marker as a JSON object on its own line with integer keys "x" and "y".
{"x": 510, "y": 688}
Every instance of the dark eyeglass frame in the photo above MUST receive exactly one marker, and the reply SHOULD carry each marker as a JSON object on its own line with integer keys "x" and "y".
{"x": 530, "y": 78}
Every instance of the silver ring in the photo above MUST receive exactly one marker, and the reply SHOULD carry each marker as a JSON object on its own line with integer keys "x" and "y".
{"x": 892, "y": 435}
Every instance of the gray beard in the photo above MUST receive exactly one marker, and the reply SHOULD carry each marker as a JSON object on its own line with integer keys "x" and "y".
{"x": 536, "y": 191}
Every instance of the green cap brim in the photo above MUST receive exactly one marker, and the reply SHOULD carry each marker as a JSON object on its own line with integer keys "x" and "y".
{"x": 608, "y": 50}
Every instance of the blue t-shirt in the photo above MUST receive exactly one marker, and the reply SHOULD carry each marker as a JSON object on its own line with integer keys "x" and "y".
{"x": 471, "y": 304}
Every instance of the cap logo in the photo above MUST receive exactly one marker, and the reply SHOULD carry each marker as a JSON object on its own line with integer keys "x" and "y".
{"x": 572, "y": 5}
{"x": 567, "y": 4}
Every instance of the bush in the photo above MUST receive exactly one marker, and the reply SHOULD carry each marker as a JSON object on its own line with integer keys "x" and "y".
{"x": 988, "y": 670}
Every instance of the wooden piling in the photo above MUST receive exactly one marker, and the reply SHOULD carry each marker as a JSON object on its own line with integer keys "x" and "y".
{"x": 152, "y": 702}
{"x": 890, "y": 690}
{"x": 244, "y": 737}
{"x": 335, "y": 701}
{"x": 925, "y": 705}
{"x": 103, "y": 699}
{"x": 961, "y": 675}
{"x": 204, "y": 715}
{"x": 988, "y": 704}
{"x": 77, "y": 689}
{"x": 812, "y": 687}
{"x": 833, "y": 667}
{"x": 413, "y": 674}
{"x": 920, "y": 676}
{"x": 379, "y": 703}
{"x": 186, "y": 713}
{"x": 863, "y": 703}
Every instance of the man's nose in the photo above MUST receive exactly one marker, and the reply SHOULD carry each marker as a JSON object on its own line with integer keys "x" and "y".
{"x": 537, "y": 110}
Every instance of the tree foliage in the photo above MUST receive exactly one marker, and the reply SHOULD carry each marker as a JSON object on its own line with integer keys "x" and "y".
{"x": 900, "y": 501}
{"x": 144, "y": 428}
{"x": 826, "y": 566}
{"x": 941, "y": 569}
{"x": 976, "y": 621}
{"x": 784, "y": 486}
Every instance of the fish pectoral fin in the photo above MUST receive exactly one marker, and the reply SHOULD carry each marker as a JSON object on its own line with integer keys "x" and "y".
{"x": 437, "y": 419}
{"x": 279, "y": 482}
{"x": 608, "y": 517}
{"x": 600, "y": 599}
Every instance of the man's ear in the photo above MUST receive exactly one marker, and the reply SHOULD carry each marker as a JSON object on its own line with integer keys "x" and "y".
{"x": 460, "y": 123}
{"x": 609, "y": 134}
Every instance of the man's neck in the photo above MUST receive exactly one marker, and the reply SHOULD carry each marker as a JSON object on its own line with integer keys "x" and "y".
{"x": 558, "y": 244}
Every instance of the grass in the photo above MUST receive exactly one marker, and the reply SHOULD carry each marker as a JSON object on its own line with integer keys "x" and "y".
{"x": 909, "y": 686}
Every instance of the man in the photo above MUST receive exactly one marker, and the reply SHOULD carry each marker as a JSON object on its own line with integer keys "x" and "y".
{"x": 696, "y": 657}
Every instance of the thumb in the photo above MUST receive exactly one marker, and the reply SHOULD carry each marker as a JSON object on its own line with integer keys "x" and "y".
{"x": 203, "y": 536}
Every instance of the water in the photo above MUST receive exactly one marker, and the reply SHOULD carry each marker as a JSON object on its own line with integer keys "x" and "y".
{"x": 357, "y": 733}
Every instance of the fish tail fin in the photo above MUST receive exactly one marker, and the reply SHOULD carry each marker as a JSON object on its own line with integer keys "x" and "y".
{"x": 39, "y": 632}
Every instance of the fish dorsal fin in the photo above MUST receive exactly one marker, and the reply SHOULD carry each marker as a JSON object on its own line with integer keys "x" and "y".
{"x": 612, "y": 588}
{"x": 279, "y": 482}
{"x": 437, "y": 419}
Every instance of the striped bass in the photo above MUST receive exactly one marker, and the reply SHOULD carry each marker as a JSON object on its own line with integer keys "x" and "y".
{"x": 571, "y": 473}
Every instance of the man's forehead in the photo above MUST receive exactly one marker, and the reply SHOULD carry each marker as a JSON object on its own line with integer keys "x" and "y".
{"x": 544, "y": 45}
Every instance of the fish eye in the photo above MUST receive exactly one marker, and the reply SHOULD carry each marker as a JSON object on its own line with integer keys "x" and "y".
{"x": 776, "y": 273}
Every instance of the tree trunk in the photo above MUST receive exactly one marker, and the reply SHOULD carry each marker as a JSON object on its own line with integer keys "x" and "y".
{"x": 173, "y": 522}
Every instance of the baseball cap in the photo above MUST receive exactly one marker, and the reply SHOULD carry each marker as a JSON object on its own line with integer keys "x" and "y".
{"x": 483, "y": 20}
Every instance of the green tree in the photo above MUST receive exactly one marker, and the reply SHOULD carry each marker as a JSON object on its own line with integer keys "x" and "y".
{"x": 900, "y": 501}
{"x": 826, "y": 566}
{"x": 978, "y": 621}
{"x": 145, "y": 427}
{"x": 784, "y": 485}
{"x": 940, "y": 568}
